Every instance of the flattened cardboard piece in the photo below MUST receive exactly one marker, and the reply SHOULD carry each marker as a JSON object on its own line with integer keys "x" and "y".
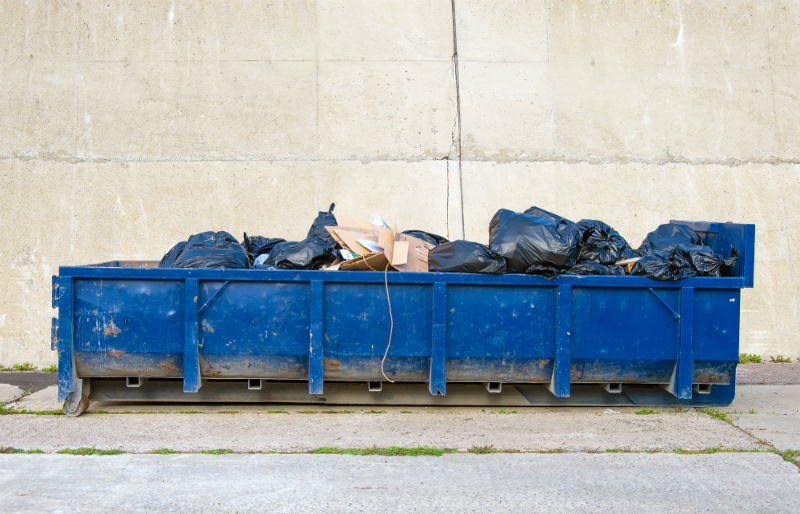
{"x": 351, "y": 241}
{"x": 372, "y": 262}
{"x": 400, "y": 253}
{"x": 348, "y": 222}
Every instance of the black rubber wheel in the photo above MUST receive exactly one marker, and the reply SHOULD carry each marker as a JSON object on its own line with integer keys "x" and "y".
{"x": 79, "y": 408}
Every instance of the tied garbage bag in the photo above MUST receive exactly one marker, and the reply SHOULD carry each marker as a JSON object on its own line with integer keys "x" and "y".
{"x": 537, "y": 211}
{"x": 666, "y": 264}
{"x": 427, "y": 237}
{"x": 601, "y": 243}
{"x": 324, "y": 219}
{"x": 310, "y": 253}
{"x": 706, "y": 262}
{"x": 257, "y": 246}
{"x": 525, "y": 240}
{"x": 207, "y": 250}
{"x": 669, "y": 234}
{"x": 594, "y": 268}
{"x": 465, "y": 257}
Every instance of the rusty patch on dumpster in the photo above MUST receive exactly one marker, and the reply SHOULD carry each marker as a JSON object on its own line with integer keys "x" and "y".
{"x": 111, "y": 329}
{"x": 215, "y": 374}
{"x": 167, "y": 366}
{"x": 208, "y": 328}
{"x": 335, "y": 363}
{"x": 116, "y": 353}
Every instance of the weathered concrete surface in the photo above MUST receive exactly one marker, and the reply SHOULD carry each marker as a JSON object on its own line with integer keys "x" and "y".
{"x": 529, "y": 430}
{"x": 777, "y": 399}
{"x": 29, "y": 380}
{"x": 768, "y": 373}
{"x": 780, "y": 430}
{"x": 45, "y": 399}
{"x": 451, "y": 483}
{"x": 9, "y": 393}
{"x": 634, "y": 113}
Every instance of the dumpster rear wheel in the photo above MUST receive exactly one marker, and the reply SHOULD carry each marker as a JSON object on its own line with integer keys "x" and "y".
{"x": 74, "y": 408}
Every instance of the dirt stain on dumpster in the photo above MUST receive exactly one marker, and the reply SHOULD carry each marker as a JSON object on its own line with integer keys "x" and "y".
{"x": 167, "y": 366}
{"x": 116, "y": 353}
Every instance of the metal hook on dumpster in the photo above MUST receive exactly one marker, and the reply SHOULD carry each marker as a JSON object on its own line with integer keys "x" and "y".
{"x": 677, "y": 316}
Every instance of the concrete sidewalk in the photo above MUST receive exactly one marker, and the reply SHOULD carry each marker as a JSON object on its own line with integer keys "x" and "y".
{"x": 620, "y": 483}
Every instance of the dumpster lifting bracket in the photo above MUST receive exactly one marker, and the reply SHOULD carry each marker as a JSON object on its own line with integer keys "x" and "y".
{"x": 315, "y": 350}
{"x": 680, "y": 384}
{"x": 192, "y": 380}
{"x": 437, "y": 378}
{"x": 559, "y": 383}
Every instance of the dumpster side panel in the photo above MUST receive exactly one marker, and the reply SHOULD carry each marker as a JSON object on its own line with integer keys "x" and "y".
{"x": 500, "y": 333}
{"x": 357, "y": 325}
{"x": 128, "y": 327}
{"x": 716, "y": 335}
{"x": 254, "y": 329}
{"x": 624, "y": 334}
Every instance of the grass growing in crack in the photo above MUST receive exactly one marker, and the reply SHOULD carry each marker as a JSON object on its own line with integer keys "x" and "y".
{"x": 51, "y": 369}
{"x": 753, "y": 411}
{"x": 219, "y": 451}
{"x": 89, "y": 451}
{"x": 277, "y": 411}
{"x": 781, "y": 359}
{"x": 751, "y": 358}
{"x": 645, "y": 411}
{"x": 308, "y": 411}
{"x": 25, "y": 366}
{"x": 179, "y": 412}
{"x": 391, "y": 451}
{"x": 6, "y": 412}
{"x": 481, "y": 450}
{"x": 228, "y": 412}
{"x": 716, "y": 414}
{"x": 376, "y": 412}
{"x": 406, "y": 412}
{"x": 164, "y": 451}
{"x": 789, "y": 455}
{"x": 338, "y": 411}
{"x": 503, "y": 411}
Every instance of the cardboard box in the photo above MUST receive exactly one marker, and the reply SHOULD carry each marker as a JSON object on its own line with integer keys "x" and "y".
{"x": 401, "y": 252}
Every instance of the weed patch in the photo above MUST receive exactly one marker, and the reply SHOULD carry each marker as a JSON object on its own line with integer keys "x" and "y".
{"x": 391, "y": 451}
{"x": 219, "y": 451}
{"x": 51, "y": 369}
{"x": 164, "y": 451}
{"x": 751, "y": 358}
{"x": 645, "y": 412}
{"x": 781, "y": 359}
{"x": 277, "y": 411}
{"x": 338, "y": 411}
{"x": 88, "y": 451}
{"x": 308, "y": 411}
{"x": 716, "y": 414}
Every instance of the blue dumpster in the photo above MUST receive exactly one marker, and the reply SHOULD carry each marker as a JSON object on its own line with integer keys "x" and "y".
{"x": 133, "y": 332}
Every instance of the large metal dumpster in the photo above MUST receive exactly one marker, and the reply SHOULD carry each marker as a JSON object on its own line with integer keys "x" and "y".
{"x": 131, "y": 331}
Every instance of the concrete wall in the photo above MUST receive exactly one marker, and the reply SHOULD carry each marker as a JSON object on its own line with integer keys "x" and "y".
{"x": 125, "y": 127}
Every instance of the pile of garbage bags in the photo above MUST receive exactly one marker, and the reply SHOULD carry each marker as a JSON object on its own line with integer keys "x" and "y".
{"x": 533, "y": 242}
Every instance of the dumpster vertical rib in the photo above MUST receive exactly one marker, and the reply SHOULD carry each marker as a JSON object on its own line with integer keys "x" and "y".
{"x": 559, "y": 384}
{"x": 315, "y": 360}
{"x": 191, "y": 345}
{"x": 67, "y": 377}
{"x": 680, "y": 383}
{"x": 437, "y": 380}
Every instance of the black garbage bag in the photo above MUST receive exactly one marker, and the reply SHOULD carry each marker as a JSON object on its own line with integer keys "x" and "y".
{"x": 705, "y": 261}
{"x": 310, "y": 253}
{"x": 524, "y": 240}
{"x": 601, "y": 243}
{"x": 538, "y": 211}
{"x": 324, "y": 219}
{"x": 668, "y": 264}
{"x": 465, "y": 257}
{"x": 427, "y": 237}
{"x": 258, "y": 245}
{"x": 208, "y": 250}
{"x": 169, "y": 259}
{"x": 594, "y": 268}
{"x": 669, "y": 234}
{"x": 538, "y": 269}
